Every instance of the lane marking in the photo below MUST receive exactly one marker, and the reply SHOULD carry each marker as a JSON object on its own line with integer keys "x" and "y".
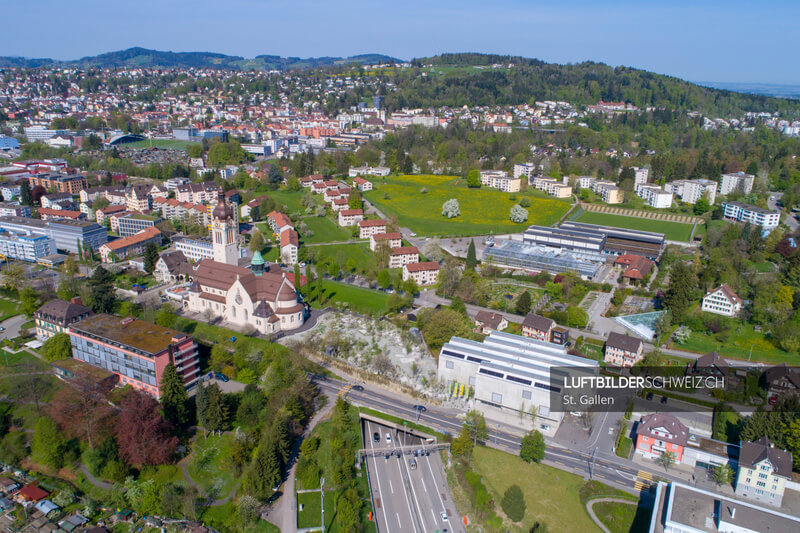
{"x": 378, "y": 477}
{"x": 390, "y": 486}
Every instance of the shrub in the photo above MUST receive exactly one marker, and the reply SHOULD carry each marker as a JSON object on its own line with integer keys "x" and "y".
{"x": 525, "y": 202}
{"x": 450, "y": 208}
{"x": 518, "y": 214}
{"x": 514, "y": 503}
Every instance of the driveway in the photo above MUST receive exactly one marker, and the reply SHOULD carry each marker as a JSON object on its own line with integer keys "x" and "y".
{"x": 772, "y": 204}
{"x": 12, "y": 326}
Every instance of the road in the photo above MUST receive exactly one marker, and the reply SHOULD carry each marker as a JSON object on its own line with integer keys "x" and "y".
{"x": 772, "y": 204}
{"x": 590, "y": 459}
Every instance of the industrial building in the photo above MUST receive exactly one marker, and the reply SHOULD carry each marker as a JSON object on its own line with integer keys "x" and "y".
{"x": 564, "y": 237}
{"x": 623, "y": 241}
{"x": 538, "y": 258}
{"x": 70, "y": 235}
{"x": 510, "y": 374}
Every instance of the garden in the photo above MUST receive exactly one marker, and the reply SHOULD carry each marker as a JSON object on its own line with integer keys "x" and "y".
{"x": 417, "y": 202}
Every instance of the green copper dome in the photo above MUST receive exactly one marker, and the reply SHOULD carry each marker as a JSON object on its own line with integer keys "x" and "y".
{"x": 257, "y": 259}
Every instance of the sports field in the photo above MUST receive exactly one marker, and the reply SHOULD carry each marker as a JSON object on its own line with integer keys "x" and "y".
{"x": 483, "y": 210}
{"x": 674, "y": 231}
{"x": 173, "y": 144}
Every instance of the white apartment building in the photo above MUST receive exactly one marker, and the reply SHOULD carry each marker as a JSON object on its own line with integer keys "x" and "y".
{"x": 25, "y": 246}
{"x": 763, "y": 471}
{"x": 654, "y": 196}
{"x": 722, "y": 301}
{"x": 368, "y": 171}
{"x": 640, "y": 175}
{"x": 426, "y": 273}
{"x": 404, "y": 255}
{"x": 768, "y": 220}
{"x": 738, "y": 181}
{"x": 585, "y": 182}
{"x": 608, "y": 192}
{"x": 552, "y": 186}
{"x": 499, "y": 179}
{"x": 690, "y": 191}
{"x": 524, "y": 169}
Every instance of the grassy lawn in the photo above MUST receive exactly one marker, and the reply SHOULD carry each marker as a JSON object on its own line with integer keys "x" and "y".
{"x": 738, "y": 346}
{"x": 618, "y": 517}
{"x": 208, "y": 466}
{"x": 764, "y": 267}
{"x": 8, "y": 309}
{"x": 310, "y": 516}
{"x": 324, "y": 230}
{"x": 551, "y": 495}
{"x": 223, "y": 517}
{"x": 357, "y": 298}
{"x": 291, "y": 199}
{"x": 174, "y": 144}
{"x": 341, "y": 253}
{"x": 674, "y": 231}
{"x": 483, "y": 210}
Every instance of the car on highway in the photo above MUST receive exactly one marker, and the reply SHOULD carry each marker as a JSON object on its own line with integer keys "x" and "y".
{"x": 358, "y": 388}
{"x": 444, "y": 516}
{"x": 420, "y": 408}
{"x": 376, "y": 436}
{"x": 412, "y": 463}
{"x": 663, "y": 399}
{"x": 388, "y": 438}
{"x": 2, "y": 329}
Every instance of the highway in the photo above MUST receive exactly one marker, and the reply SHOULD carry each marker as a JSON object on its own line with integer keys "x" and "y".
{"x": 601, "y": 465}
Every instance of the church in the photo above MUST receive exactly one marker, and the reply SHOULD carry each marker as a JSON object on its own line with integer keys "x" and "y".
{"x": 261, "y": 296}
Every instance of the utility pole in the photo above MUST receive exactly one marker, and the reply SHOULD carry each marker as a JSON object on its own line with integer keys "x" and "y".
{"x": 591, "y": 463}
{"x": 322, "y": 498}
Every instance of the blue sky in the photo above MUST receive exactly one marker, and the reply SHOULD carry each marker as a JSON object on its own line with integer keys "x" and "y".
{"x": 705, "y": 40}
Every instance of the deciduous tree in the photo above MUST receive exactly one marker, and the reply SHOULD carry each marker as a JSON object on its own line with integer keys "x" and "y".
{"x": 533, "y": 447}
{"x": 143, "y": 435}
{"x": 513, "y": 503}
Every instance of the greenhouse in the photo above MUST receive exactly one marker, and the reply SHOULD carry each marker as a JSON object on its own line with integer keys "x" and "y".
{"x": 642, "y": 324}
{"x": 542, "y": 258}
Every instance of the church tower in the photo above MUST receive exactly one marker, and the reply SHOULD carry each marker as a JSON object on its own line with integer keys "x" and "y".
{"x": 224, "y": 232}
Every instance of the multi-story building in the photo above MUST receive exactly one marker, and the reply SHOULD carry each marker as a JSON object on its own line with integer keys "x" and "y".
{"x": 368, "y": 171}
{"x": 102, "y": 215}
{"x": 404, "y": 255}
{"x": 129, "y": 246}
{"x": 487, "y": 321}
{"x": 138, "y": 198}
{"x": 55, "y": 214}
{"x": 640, "y": 175}
{"x": 609, "y": 193}
{"x": 499, "y": 179}
{"x": 172, "y": 265}
{"x": 763, "y": 472}
{"x": 660, "y": 433}
{"x": 368, "y": 228}
{"x": 70, "y": 235}
{"x": 362, "y": 184}
{"x": 350, "y": 217}
{"x": 57, "y": 315}
{"x": 253, "y": 208}
{"x": 552, "y": 186}
{"x": 585, "y": 182}
{"x": 14, "y": 210}
{"x": 524, "y": 169}
{"x": 426, "y": 273}
{"x": 290, "y": 244}
{"x": 58, "y": 200}
{"x": 278, "y": 222}
{"x": 135, "y": 222}
{"x": 10, "y": 191}
{"x": 510, "y": 374}
{"x": 392, "y": 240}
{"x": 537, "y": 327}
{"x": 197, "y": 193}
{"x": 25, "y": 246}
{"x": 136, "y": 351}
{"x": 738, "y": 181}
{"x": 763, "y": 218}
{"x": 654, "y": 196}
{"x": 72, "y": 184}
{"x": 690, "y": 191}
{"x": 722, "y": 301}
{"x": 623, "y": 350}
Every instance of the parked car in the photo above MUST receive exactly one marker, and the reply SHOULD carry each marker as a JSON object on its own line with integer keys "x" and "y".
{"x": 649, "y": 395}
{"x": 663, "y": 399}
{"x": 221, "y": 377}
{"x": 545, "y": 427}
{"x": 376, "y": 436}
{"x": 389, "y": 438}
{"x": 772, "y": 400}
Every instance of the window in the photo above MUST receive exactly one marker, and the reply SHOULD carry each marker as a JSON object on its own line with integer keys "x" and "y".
{"x": 760, "y": 484}
{"x": 449, "y": 364}
{"x": 472, "y": 381}
{"x": 526, "y": 395}
{"x": 497, "y": 398}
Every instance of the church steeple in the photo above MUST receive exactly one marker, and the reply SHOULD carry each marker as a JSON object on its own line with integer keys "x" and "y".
{"x": 224, "y": 232}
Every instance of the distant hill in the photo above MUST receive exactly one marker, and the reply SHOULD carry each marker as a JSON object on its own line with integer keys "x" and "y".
{"x": 142, "y": 57}
{"x": 767, "y": 89}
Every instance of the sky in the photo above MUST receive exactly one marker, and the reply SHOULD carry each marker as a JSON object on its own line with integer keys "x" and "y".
{"x": 699, "y": 40}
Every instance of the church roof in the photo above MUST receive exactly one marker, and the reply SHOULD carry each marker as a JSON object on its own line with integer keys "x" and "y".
{"x": 271, "y": 286}
{"x": 258, "y": 259}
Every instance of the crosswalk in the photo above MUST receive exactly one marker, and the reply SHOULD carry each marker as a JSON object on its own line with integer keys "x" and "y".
{"x": 643, "y": 480}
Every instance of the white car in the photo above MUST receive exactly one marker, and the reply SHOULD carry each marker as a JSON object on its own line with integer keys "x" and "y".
{"x": 444, "y": 516}
{"x": 388, "y": 438}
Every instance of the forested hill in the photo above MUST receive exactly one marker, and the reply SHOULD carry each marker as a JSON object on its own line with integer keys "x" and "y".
{"x": 481, "y": 79}
{"x": 142, "y": 57}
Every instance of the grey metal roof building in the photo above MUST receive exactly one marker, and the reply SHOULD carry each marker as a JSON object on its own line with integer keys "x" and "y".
{"x": 623, "y": 240}
{"x": 67, "y": 233}
{"x": 543, "y": 258}
{"x": 510, "y": 372}
{"x": 570, "y": 239}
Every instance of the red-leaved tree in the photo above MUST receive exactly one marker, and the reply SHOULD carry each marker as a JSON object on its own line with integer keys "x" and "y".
{"x": 143, "y": 436}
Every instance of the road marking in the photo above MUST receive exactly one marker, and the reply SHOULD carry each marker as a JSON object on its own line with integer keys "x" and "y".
{"x": 378, "y": 477}
{"x": 423, "y": 484}
{"x": 398, "y": 520}
{"x": 390, "y": 486}
{"x": 434, "y": 515}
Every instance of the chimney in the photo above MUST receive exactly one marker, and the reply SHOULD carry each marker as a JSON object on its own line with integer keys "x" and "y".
{"x": 125, "y": 321}
{"x": 76, "y": 300}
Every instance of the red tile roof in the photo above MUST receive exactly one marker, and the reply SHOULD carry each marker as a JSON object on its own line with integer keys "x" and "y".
{"x": 370, "y": 223}
{"x": 144, "y": 235}
{"x": 405, "y": 250}
{"x": 420, "y": 267}
{"x": 351, "y": 212}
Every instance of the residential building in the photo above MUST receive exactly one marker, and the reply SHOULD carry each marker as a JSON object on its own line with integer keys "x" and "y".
{"x": 25, "y": 246}
{"x": 278, "y": 222}
{"x": 10, "y": 191}
{"x": 690, "y": 191}
{"x": 252, "y": 209}
{"x": 369, "y": 171}
{"x": 14, "y": 210}
{"x": 404, "y": 255}
{"x": 738, "y": 181}
{"x": 133, "y": 223}
{"x": 741, "y": 212}
{"x": 262, "y": 297}
{"x": 368, "y": 228}
{"x": 362, "y": 184}
{"x": 426, "y": 273}
{"x": 623, "y": 350}
{"x": 509, "y": 374}
{"x": 681, "y": 508}
{"x": 499, "y": 179}
{"x": 58, "y": 200}
{"x": 392, "y": 240}
{"x": 722, "y": 301}
{"x": 125, "y": 247}
{"x": 552, "y": 186}
{"x": 763, "y": 472}
{"x": 57, "y": 315}
{"x": 711, "y": 364}
{"x": 781, "y": 380}
{"x": 137, "y": 198}
{"x": 537, "y": 327}
{"x": 654, "y": 196}
{"x": 660, "y": 433}
{"x": 72, "y": 184}
{"x": 338, "y": 205}
{"x": 609, "y": 193}
{"x": 350, "y": 217}
{"x": 57, "y": 214}
{"x": 135, "y": 350}
{"x": 197, "y": 193}
{"x": 290, "y": 244}
{"x": 525, "y": 169}
{"x": 640, "y": 175}
{"x": 585, "y": 182}
{"x": 172, "y": 266}
{"x": 486, "y": 322}
{"x": 636, "y": 267}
